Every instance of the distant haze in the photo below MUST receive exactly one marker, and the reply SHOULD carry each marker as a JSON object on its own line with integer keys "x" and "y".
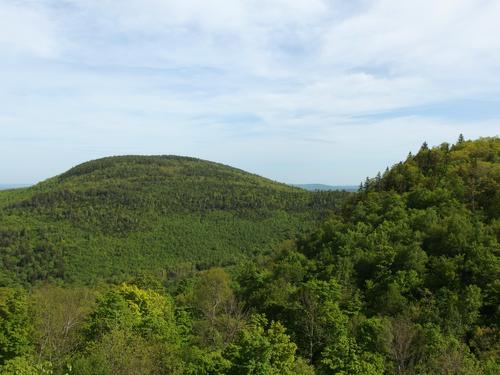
{"x": 322, "y": 187}
{"x": 12, "y": 186}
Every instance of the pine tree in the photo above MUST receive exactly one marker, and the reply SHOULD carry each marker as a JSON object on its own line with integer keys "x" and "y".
{"x": 378, "y": 181}
{"x": 368, "y": 183}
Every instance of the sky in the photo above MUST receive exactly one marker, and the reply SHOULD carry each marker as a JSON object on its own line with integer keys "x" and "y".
{"x": 299, "y": 91}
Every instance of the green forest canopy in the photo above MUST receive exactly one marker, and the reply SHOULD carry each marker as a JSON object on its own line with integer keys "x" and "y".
{"x": 114, "y": 217}
{"x": 399, "y": 278}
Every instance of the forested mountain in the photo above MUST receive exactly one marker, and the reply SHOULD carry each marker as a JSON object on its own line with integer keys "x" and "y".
{"x": 114, "y": 217}
{"x": 406, "y": 279}
{"x": 403, "y": 278}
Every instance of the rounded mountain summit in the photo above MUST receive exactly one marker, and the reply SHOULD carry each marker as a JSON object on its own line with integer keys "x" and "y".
{"x": 117, "y": 216}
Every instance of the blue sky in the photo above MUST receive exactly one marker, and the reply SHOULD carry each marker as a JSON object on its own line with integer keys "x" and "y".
{"x": 300, "y": 91}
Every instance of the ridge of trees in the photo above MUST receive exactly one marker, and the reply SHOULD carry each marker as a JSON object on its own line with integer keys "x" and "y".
{"x": 403, "y": 279}
{"x": 114, "y": 217}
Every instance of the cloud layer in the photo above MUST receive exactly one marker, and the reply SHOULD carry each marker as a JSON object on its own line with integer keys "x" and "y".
{"x": 296, "y": 90}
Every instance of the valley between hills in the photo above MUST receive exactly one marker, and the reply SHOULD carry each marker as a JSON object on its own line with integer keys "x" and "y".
{"x": 175, "y": 265}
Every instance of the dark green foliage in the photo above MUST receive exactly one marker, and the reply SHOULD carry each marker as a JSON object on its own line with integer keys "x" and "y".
{"x": 404, "y": 279}
{"x": 115, "y": 217}
{"x": 14, "y": 327}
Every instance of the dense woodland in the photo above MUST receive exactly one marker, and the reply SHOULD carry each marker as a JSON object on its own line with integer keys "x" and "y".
{"x": 111, "y": 218}
{"x": 399, "y": 278}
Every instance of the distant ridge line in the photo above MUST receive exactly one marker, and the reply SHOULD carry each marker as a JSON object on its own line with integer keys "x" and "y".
{"x": 323, "y": 187}
{"x": 13, "y": 186}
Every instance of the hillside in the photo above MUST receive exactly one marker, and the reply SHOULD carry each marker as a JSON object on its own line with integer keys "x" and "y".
{"x": 117, "y": 216}
{"x": 468, "y": 171}
{"x": 406, "y": 279}
{"x": 403, "y": 278}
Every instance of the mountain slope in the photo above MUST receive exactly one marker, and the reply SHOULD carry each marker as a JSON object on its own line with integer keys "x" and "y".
{"x": 116, "y": 216}
{"x": 468, "y": 171}
{"x": 413, "y": 261}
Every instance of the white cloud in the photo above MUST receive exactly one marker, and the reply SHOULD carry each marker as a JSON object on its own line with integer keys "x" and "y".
{"x": 443, "y": 40}
{"x": 26, "y": 30}
{"x": 294, "y": 81}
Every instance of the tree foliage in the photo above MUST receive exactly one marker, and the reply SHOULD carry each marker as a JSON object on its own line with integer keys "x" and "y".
{"x": 403, "y": 279}
{"x": 117, "y": 217}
